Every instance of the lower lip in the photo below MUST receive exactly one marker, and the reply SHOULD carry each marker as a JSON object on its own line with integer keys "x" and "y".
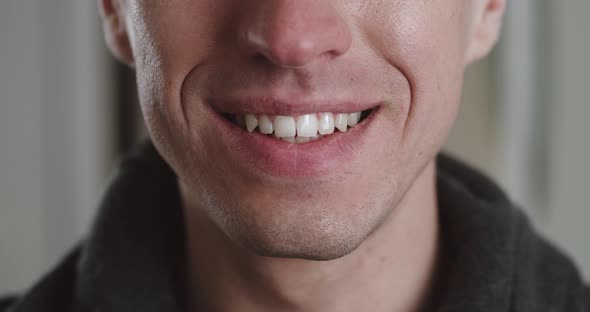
{"x": 268, "y": 155}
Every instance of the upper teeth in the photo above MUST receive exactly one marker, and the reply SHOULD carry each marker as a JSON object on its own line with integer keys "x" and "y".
{"x": 300, "y": 129}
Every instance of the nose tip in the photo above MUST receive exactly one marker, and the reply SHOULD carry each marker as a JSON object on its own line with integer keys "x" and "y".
{"x": 294, "y": 33}
{"x": 288, "y": 52}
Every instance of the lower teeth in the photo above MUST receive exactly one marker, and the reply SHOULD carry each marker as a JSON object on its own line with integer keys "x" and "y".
{"x": 299, "y": 139}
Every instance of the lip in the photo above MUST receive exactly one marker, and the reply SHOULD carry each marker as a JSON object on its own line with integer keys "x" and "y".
{"x": 267, "y": 156}
{"x": 291, "y": 107}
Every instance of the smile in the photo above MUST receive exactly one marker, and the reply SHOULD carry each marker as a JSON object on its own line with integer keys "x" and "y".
{"x": 298, "y": 129}
{"x": 294, "y": 140}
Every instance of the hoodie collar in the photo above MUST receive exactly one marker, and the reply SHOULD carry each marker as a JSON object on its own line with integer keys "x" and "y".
{"x": 133, "y": 259}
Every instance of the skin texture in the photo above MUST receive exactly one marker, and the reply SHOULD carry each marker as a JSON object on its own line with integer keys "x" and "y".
{"x": 374, "y": 224}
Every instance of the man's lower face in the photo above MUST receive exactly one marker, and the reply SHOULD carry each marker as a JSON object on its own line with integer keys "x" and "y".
{"x": 275, "y": 185}
{"x": 315, "y": 200}
{"x": 304, "y": 159}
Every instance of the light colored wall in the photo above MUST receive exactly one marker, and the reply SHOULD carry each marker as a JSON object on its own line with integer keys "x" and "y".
{"x": 533, "y": 136}
{"x": 77, "y": 128}
{"x": 569, "y": 140}
{"x": 474, "y": 138}
{"x": 55, "y": 132}
{"x": 20, "y": 186}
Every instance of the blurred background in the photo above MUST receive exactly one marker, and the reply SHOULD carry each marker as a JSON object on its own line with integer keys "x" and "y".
{"x": 68, "y": 111}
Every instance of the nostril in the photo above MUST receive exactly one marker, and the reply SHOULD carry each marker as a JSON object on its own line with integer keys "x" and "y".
{"x": 285, "y": 56}
{"x": 292, "y": 34}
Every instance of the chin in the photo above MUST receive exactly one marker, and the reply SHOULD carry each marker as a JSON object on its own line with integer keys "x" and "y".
{"x": 307, "y": 247}
{"x": 310, "y": 232}
{"x": 311, "y": 253}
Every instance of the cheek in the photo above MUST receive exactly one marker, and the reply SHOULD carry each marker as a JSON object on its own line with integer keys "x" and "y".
{"x": 427, "y": 44}
{"x": 170, "y": 39}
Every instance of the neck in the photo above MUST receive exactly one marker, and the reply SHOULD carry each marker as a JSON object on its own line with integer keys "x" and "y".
{"x": 393, "y": 270}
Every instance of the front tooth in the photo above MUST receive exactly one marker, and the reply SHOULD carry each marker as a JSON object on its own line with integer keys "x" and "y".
{"x": 300, "y": 139}
{"x": 326, "y": 123}
{"x": 289, "y": 139}
{"x": 341, "y": 122}
{"x": 265, "y": 125}
{"x": 307, "y": 125}
{"x": 251, "y": 122}
{"x": 353, "y": 119}
{"x": 284, "y": 126}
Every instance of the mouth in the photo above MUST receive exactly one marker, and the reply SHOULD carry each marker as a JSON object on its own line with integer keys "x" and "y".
{"x": 294, "y": 141}
{"x": 298, "y": 129}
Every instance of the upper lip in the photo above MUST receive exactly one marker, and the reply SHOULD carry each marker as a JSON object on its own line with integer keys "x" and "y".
{"x": 287, "y": 107}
